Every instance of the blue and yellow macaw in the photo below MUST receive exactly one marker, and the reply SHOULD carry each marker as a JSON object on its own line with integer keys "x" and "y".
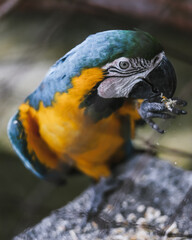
{"x": 83, "y": 113}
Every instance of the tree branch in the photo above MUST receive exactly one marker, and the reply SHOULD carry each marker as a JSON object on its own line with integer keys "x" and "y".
{"x": 7, "y": 6}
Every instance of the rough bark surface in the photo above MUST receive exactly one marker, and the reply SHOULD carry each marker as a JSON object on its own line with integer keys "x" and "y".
{"x": 153, "y": 201}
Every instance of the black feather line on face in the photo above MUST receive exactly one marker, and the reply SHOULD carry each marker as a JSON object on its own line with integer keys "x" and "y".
{"x": 125, "y": 72}
{"x": 97, "y": 107}
{"x": 103, "y": 107}
{"x": 90, "y": 97}
{"x": 128, "y": 73}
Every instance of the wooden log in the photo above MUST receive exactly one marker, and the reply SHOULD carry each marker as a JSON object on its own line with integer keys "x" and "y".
{"x": 154, "y": 201}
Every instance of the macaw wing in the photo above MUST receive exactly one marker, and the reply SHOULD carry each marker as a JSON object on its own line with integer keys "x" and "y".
{"x": 17, "y": 136}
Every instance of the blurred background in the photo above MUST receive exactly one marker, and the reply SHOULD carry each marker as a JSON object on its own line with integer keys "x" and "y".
{"x": 33, "y": 35}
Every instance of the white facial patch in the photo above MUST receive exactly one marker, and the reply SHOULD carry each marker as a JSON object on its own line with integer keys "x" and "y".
{"x": 123, "y": 73}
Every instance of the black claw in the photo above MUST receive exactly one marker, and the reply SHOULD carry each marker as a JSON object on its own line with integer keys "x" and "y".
{"x": 184, "y": 103}
{"x": 149, "y": 110}
{"x": 161, "y": 131}
{"x": 184, "y": 112}
{"x": 180, "y": 102}
{"x": 154, "y": 126}
{"x": 166, "y": 116}
{"x": 178, "y": 111}
{"x": 158, "y": 129}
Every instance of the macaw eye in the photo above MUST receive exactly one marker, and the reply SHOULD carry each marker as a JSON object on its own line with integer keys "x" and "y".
{"x": 123, "y": 64}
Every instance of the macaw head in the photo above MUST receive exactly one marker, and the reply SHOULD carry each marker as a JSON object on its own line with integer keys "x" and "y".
{"x": 140, "y": 70}
{"x": 134, "y": 65}
{"x": 138, "y": 78}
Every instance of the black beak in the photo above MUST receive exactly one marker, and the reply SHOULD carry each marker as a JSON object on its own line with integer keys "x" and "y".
{"x": 161, "y": 80}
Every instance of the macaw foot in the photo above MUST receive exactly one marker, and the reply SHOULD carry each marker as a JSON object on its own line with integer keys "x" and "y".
{"x": 166, "y": 108}
{"x": 100, "y": 190}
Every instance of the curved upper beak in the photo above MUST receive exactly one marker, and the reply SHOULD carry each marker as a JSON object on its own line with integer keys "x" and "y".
{"x": 161, "y": 80}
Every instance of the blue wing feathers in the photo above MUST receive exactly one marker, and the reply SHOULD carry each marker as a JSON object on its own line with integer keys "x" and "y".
{"x": 18, "y": 140}
{"x": 95, "y": 51}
